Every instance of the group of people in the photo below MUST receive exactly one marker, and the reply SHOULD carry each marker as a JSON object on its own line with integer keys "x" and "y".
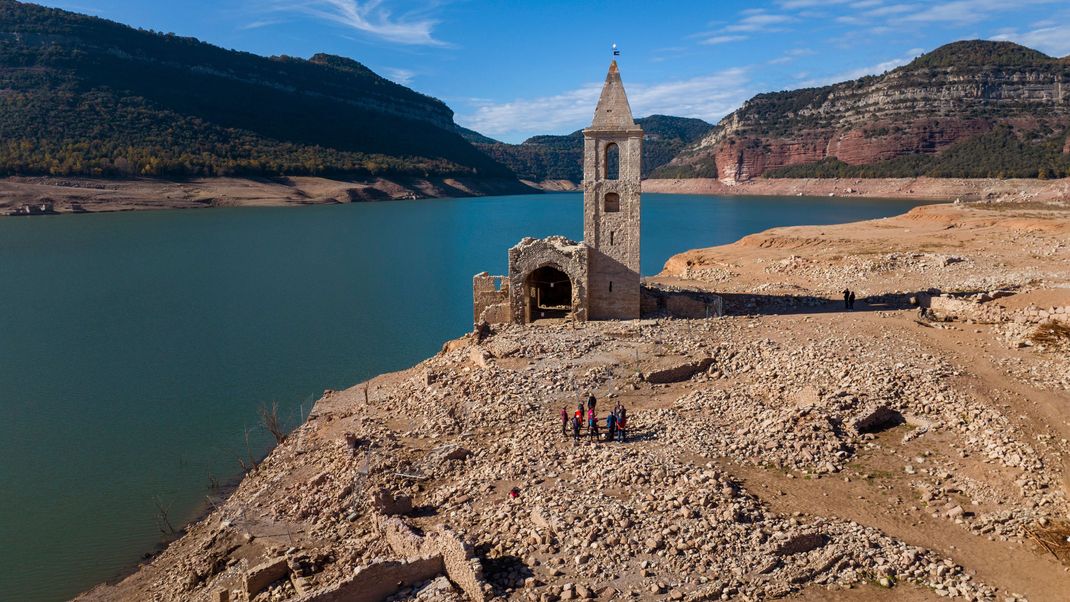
{"x": 616, "y": 421}
{"x": 848, "y": 299}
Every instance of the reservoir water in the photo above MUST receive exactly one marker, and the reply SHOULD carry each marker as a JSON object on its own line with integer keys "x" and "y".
{"x": 135, "y": 348}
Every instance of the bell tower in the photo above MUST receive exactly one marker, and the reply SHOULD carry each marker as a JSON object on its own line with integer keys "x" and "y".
{"x": 612, "y": 158}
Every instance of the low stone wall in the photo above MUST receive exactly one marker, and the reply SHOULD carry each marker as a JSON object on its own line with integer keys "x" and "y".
{"x": 264, "y": 574}
{"x": 678, "y": 373}
{"x": 679, "y": 303}
{"x": 944, "y": 307}
{"x": 378, "y": 581}
{"x": 458, "y": 560}
{"x": 401, "y": 538}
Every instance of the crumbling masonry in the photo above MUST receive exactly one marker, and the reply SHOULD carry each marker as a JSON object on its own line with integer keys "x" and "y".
{"x": 597, "y": 279}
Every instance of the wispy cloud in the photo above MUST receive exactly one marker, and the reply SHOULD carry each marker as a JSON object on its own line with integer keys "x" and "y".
{"x": 368, "y": 16}
{"x": 399, "y": 76}
{"x": 792, "y": 55}
{"x": 760, "y": 21}
{"x": 1053, "y": 40}
{"x": 708, "y": 97}
{"x": 856, "y": 73}
{"x": 711, "y": 41}
{"x": 797, "y": 4}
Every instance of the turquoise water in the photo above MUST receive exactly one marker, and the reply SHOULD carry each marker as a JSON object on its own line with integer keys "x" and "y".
{"x": 136, "y": 347}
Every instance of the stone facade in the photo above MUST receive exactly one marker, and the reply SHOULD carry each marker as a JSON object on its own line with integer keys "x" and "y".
{"x": 490, "y": 299}
{"x": 599, "y": 277}
{"x": 556, "y": 253}
{"x": 611, "y": 204}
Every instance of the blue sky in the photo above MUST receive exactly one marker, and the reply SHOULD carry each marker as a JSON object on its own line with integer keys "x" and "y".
{"x": 511, "y": 69}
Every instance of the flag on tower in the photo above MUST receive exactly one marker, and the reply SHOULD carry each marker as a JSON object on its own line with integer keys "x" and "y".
{"x": 616, "y": 51}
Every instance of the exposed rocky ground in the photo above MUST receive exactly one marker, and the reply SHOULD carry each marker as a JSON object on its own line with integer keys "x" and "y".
{"x": 823, "y": 455}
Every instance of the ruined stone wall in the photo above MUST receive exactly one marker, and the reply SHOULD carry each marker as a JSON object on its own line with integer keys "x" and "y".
{"x": 490, "y": 299}
{"x": 378, "y": 581}
{"x": 531, "y": 254}
{"x": 957, "y": 308}
{"x": 658, "y": 301}
{"x": 613, "y": 236}
{"x": 459, "y": 561}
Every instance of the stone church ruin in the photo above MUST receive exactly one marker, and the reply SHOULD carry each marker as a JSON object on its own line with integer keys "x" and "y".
{"x": 555, "y": 278}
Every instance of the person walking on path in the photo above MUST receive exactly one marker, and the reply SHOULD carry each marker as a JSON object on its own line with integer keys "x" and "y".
{"x": 847, "y": 298}
{"x": 564, "y": 422}
{"x": 576, "y": 424}
{"x": 622, "y": 423}
{"x": 592, "y": 424}
{"x": 851, "y": 301}
{"x": 591, "y": 402}
{"x": 611, "y": 426}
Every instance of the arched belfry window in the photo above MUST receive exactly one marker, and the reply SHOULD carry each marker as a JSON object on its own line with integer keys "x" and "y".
{"x": 612, "y": 161}
{"x": 612, "y": 203}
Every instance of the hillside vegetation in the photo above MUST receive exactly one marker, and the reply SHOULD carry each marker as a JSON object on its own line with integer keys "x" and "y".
{"x": 561, "y": 157}
{"x": 85, "y": 96}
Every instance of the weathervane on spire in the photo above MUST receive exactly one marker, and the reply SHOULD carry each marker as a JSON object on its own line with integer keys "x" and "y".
{"x": 616, "y": 51}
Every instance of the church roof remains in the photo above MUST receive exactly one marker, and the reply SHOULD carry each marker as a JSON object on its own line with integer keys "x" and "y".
{"x": 613, "y": 111}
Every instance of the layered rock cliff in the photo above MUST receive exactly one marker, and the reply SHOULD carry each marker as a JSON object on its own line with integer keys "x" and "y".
{"x": 1010, "y": 100}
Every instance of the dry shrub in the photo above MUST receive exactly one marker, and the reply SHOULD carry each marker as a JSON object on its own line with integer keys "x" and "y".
{"x": 1052, "y": 335}
{"x": 1055, "y": 539}
{"x": 269, "y": 419}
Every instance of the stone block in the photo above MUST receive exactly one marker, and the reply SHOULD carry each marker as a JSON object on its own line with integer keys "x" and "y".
{"x": 264, "y": 574}
{"x": 878, "y": 419}
{"x": 385, "y": 502}
{"x": 801, "y": 544}
{"x": 678, "y": 373}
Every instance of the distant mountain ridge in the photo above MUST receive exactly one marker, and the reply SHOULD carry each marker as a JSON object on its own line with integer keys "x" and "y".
{"x": 547, "y": 157}
{"x": 967, "y": 109}
{"x": 81, "y": 95}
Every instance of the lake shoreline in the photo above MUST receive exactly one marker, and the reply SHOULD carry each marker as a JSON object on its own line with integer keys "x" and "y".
{"x": 55, "y": 195}
{"x": 917, "y": 189}
{"x": 305, "y": 481}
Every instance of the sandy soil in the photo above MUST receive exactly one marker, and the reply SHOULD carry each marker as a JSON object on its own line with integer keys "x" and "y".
{"x": 72, "y": 195}
{"x": 730, "y": 462}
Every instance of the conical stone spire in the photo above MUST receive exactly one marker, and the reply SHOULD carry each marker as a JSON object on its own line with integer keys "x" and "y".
{"x": 613, "y": 111}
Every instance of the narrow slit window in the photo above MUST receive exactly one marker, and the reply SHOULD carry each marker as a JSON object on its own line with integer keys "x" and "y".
{"x": 612, "y": 161}
{"x": 611, "y": 237}
{"x": 611, "y": 286}
{"x": 611, "y": 203}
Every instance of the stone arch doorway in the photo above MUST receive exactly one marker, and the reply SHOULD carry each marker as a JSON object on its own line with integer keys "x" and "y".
{"x": 549, "y": 294}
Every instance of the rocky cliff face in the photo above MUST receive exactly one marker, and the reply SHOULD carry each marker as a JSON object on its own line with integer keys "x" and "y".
{"x": 954, "y": 94}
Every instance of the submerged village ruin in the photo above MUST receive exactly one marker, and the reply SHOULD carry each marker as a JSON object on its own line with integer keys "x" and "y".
{"x": 779, "y": 447}
{"x": 597, "y": 279}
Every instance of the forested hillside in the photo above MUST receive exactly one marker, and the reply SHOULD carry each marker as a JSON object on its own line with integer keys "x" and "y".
{"x": 85, "y": 96}
{"x": 561, "y": 157}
